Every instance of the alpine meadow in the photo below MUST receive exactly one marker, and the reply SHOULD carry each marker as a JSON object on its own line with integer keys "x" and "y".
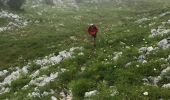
{"x": 84, "y": 49}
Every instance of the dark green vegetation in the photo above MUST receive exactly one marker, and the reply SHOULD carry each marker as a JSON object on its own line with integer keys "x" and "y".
{"x": 16, "y": 4}
{"x": 52, "y": 34}
{"x": 13, "y": 4}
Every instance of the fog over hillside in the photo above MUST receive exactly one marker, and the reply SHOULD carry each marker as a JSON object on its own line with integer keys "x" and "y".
{"x": 84, "y": 49}
{"x": 74, "y": 3}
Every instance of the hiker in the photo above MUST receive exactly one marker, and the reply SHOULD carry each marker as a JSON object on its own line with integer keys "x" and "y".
{"x": 92, "y": 30}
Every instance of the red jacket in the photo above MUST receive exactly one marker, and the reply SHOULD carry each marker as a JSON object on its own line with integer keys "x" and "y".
{"x": 92, "y": 30}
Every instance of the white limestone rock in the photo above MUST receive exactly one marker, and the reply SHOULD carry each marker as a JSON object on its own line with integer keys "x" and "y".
{"x": 91, "y": 93}
{"x": 164, "y": 44}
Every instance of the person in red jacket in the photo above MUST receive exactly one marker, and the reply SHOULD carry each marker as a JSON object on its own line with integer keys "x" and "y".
{"x": 92, "y": 30}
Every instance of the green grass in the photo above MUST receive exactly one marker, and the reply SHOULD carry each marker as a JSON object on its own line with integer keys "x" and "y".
{"x": 3, "y": 22}
{"x": 49, "y": 36}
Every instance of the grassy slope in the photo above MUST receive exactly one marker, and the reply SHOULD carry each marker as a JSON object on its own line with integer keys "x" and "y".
{"x": 48, "y": 36}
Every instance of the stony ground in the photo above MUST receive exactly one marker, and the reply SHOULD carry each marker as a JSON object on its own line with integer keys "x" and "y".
{"x": 46, "y": 53}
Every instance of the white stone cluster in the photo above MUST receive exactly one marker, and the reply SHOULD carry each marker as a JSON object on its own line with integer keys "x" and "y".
{"x": 117, "y": 55}
{"x": 37, "y": 93}
{"x": 90, "y": 93}
{"x": 52, "y": 59}
{"x": 43, "y": 80}
{"x": 53, "y": 98}
{"x": 17, "y": 21}
{"x": 157, "y": 79}
{"x": 36, "y": 81}
{"x": 3, "y": 73}
{"x": 142, "y": 20}
{"x": 5, "y": 14}
{"x": 4, "y": 90}
{"x": 68, "y": 96}
{"x": 164, "y": 44}
{"x": 166, "y": 85}
{"x": 159, "y": 31}
{"x": 164, "y": 14}
{"x": 113, "y": 91}
{"x": 145, "y": 93}
{"x": 12, "y": 77}
{"x": 144, "y": 51}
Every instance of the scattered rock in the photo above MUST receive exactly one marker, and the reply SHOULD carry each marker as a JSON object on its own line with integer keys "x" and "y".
{"x": 145, "y": 80}
{"x": 35, "y": 74}
{"x": 137, "y": 66}
{"x": 142, "y": 20}
{"x": 142, "y": 58}
{"x": 157, "y": 79}
{"x": 166, "y": 85}
{"x": 117, "y": 55}
{"x": 17, "y": 23}
{"x": 143, "y": 50}
{"x": 145, "y": 93}
{"x": 53, "y": 98}
{"x": 160, "y": 30}
{"x": 164, "y": 14}
{"x": 14, "y": 75}
{"x": 36, "y": 93}
{"x": 154, "y": 69}
{"x": 113, "y": 91}
{"x": 81, "y": 54}
{"x": 164, "y": 44}
{"x": 165, "y": 71}
{"x": 91, "y": 93}
{"x": 3, "y": 73}
{"x": 127, "y": 47}
{"x": 128, "y": 64}
{"x": 40, "y": 81}
{"x": 83, "y": 68}
{"x": 168, "y": 59}
{"x": 66, "y": 96}
{"x": 52, "y": 59}
{"x": 4, "y": 90}
{"x": 146, "y": 50}
{"x": 43, "y": 80}
{"x": 73, "y": 38}
{"x": 149, "y": 49}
